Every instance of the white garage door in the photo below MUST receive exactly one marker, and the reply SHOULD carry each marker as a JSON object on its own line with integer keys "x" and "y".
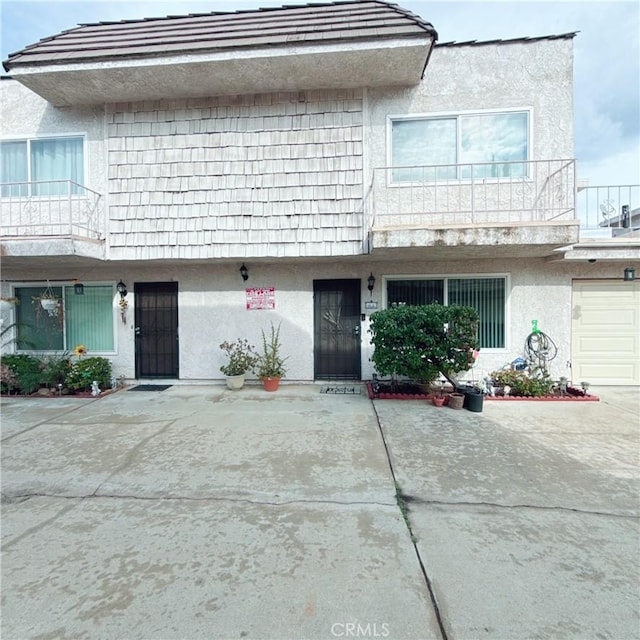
{"x": 606, "y": 332}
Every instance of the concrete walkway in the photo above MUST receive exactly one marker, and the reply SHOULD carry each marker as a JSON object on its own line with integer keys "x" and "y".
{"x": 202, "y": 513}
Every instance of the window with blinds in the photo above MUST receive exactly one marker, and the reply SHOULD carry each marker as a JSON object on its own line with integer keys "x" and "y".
{"x": 85, "y": 319}
{"x": 486, "y": 295}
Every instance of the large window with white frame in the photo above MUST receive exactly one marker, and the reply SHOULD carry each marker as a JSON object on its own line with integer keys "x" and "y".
{"x": 459, "y": 147}
{"x": 85, "y": 319}
{"x": 486, "y": 294}
{"x": 42, "y": 167}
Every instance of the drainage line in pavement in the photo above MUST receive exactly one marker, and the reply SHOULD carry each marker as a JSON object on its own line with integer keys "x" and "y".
{"x": 402, "y": 505}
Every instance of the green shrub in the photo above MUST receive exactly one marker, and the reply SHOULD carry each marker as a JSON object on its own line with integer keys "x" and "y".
{"x": 421, "y": 342}
{"x": 523, "y": 383}
{"x": 27, "y": 372}
{"x": 85, "y": 371}
{"x": 55, "y": 369}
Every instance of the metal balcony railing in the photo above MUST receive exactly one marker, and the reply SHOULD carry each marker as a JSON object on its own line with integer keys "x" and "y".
{"x": 608, "y": 212}
{"x": 50, "y": 208}
{"x": 536, "y": 191}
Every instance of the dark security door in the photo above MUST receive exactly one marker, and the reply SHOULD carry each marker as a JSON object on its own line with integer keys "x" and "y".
{"x": 337, "y": 329}
{"x": 156, "y": 328}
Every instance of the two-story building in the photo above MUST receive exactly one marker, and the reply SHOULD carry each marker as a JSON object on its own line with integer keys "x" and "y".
{"x": 302, "y": 166}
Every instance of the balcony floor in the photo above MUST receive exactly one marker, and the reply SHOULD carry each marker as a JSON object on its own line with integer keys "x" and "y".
{"x": 487, "y": 241}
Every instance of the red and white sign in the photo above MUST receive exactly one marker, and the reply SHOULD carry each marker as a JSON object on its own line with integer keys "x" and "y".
{"x": 261, "y": 298}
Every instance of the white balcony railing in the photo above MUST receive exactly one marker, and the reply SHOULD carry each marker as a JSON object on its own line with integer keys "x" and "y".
{"x": 473, "y": 194}
{"x": 608, "y": 212}
{"x": 50, "y": 208}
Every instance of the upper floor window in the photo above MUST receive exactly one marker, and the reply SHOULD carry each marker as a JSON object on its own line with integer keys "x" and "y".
{"x": 460, "y": 147}
{"x": 42, "y": 167}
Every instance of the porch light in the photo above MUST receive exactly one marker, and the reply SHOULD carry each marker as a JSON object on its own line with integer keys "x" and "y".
{"x": 78, "y": 289}
{"x": 122, "y": 289}
{"x": 629, "y": 274}
{"x": 244, "y": 272}
{"x": 371, "y": 281}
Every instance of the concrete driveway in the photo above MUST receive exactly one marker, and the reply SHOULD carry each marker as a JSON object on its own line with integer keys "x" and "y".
{"x": 197, "y": 512}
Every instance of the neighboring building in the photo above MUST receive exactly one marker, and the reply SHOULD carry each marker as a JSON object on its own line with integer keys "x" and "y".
{"x": 315, "y": 145}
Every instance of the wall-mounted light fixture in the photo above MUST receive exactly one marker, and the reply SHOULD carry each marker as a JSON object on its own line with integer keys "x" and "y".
{"x": 78, "y": 289}
{"x": 629, "y": 274}
{"x": 244, "y": 272}
{"x": 122, "y": 289}
{"x": 371, "y": 282}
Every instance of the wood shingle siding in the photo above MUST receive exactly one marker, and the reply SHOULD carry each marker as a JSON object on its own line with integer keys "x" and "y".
{"x": 264, "y": 175}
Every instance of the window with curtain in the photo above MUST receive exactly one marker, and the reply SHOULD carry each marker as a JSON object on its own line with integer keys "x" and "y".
{"x": 51, "y": 166}
{"x": 13, "y": 169}
{"x": 488, "y": 141}
{"x": 486, "y": 295}
{"x": 86, "y": 319}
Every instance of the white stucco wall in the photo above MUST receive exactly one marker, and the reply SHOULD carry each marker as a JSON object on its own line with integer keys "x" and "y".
{"x": 24, "y": 114}
{"x": 212, "y": 307}
{"x": 535, "y": 75}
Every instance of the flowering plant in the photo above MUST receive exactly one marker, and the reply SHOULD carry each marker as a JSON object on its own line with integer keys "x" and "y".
{"x": 124, "y": 305}
{"x": 80, "y": 351}
{"x": 242, "y": 357}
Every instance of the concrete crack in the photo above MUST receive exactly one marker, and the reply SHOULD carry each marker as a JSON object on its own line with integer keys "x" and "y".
{"x": 40, "y": 525}
{"x": 48, "y": 420}
{"x": 497, "y": 505}
{"x": 130, "y": 455}
{"x": 401, "y": 501}
{"x": 18, "y": 498}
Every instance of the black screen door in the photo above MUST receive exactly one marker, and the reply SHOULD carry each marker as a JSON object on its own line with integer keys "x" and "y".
{"x": 337, "y": 329}
{"x": 156, "y": 329}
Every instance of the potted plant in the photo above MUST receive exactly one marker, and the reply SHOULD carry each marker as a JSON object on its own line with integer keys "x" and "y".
{"x": 270, "y": 362}
{"x": 49, "y": 302}
{"x": 241, "y": 359}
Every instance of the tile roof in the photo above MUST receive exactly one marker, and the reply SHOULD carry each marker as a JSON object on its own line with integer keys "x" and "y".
{"x": 308, "y": 24}
{"x": 480, "y": 43}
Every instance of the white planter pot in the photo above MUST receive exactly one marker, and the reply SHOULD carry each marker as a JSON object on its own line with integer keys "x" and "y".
{"x": 235, "y": 382}
{"x": 50, "y": 305}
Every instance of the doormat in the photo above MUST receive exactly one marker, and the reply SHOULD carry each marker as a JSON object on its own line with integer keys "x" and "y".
{"x": 351, "y": 391}
{"x": 150, "y": 387}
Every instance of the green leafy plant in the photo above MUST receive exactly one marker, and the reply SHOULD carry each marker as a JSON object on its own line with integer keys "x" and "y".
{"x": 422, "y": 341}
{"x": 55, "y": 369}
{"x": 27, "y": 372}
{"x": 241, "y": 357}
{"x": 85, "y": 371}
{"x": 533, "y": 384}
{"x": 270, "y": 361}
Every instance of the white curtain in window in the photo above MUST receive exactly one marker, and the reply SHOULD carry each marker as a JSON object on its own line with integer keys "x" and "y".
{"x": 13, "y": 168}
{"x": 57, "y": 159}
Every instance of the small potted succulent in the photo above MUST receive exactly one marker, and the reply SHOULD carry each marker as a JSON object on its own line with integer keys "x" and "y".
{"x": 242, "y": 359}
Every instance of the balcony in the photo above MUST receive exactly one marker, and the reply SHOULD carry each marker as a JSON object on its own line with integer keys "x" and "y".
{"x": 609, "y": 212}
{"x": 489, "y": 209}
{"x": 51, "y": 218}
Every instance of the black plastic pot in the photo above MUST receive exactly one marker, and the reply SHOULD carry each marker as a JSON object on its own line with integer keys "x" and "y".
{"x": 473, "y": 398}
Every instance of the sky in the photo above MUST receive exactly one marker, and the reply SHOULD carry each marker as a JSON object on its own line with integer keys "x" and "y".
{"x": 606, "y": 54}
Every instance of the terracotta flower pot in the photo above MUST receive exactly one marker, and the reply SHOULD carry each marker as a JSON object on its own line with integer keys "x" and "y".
{"x": 437, "y": 401}
{"x": 270, "y": 384}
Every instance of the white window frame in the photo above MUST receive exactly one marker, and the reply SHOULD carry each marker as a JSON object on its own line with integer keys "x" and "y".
{"x": 467, "y": 276}
{"x": 63, "y": 284}
{"x": 458, "y": 115}
{"x": 57, "y": 136}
